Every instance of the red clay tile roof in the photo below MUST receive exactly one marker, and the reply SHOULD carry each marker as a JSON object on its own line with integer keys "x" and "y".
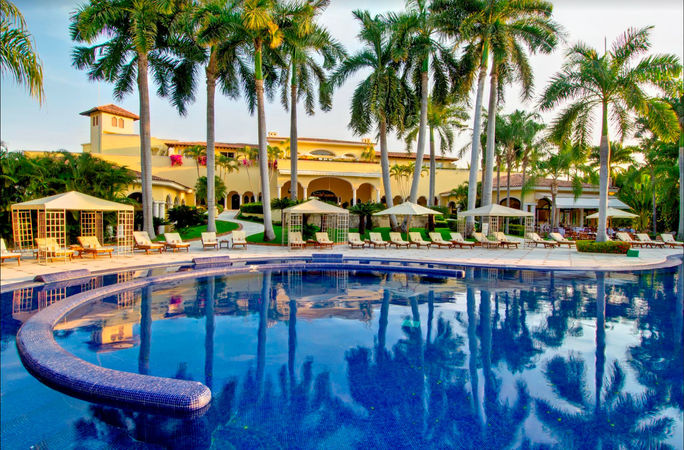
{"x": 138, "y": 174}
{"x": 332, "y": 141}
{"x": 229, "y": 145}
{"x": 111, "y": 109}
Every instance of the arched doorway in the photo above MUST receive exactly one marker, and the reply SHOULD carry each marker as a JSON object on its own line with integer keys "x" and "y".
{"x": 397, "y": 200}
{"x": 137, "y": 196}
{"x": 332, "y": 189}
{"x": 286, "y": 192}
{"x": 543, "y": 211}
{"x": 234, "y": 200}
{"x": 365, "y": 193}
{"x": 422, "y": 201}
{"x": 325, "y": 195}
{"x": 248, "y": 197}
{"x": 515, "y": 203}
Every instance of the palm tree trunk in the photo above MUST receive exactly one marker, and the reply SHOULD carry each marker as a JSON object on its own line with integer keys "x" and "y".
{"x": 491, "y": 129}
{"x": 145, "y": 331}
{"x": 211, "y": 151}
{"x": 680, "y": 231}
{"x": 433, "y": 168}
{"x": 209, "y": 327}
{"x": 498, "y": 180}
{"x": 294, "y": 185}
{"x": 269, "y": 234}
{"x": 655, "y": 230}
{"x": 553, "y": 208}
{"x": 145, "y": 148}
{"x": 600, "y": 338}
{"x": 508, "y": 190}
{"x": 384, "y": 165}
{"x": 420, "y": 150}
{"x": 475, "y": 145}
{"x": 604, "y": 178}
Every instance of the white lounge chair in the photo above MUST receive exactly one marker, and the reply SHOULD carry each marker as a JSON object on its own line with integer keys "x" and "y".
{"x": 417, "y": 239}
{"x": 322, "y": 240}
{"x": 239, "y": 238}
{"x": 376, "y": 240}
{"x": 398, "y": 241}
{"x": 5, "y": 254}
{"x": 669, "y": 240}
{"x": 457, "y": 239}
{"x": 175, "y": 242}
{"x": 142, "y": 241}
{"x": 646, "y": 239}
{"x": 209, "y": 240}
{"x": 484, "y": 242}
{"x": 625, "y": 237}
{"x": 49, "y": 248}
{"x": 91, "y": 244}
{"x": 295, "y": 240}
{"x": 561, "y": 240}
{"x": 355, "y": 241}
{"x": 505, "y": 242}
{"x": 439, "y": 241}
{"x": 534, "y": 238}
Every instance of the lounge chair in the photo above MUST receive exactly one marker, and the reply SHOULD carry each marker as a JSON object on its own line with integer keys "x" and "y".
{"x": 416, "y": 238}
{"x": 142, "y": 241}
{"x": 398, "y": 241}
{"x": 5, "y": 254}
{"x": 669, "y": 240}
{"x": 457, "y": 239}
{"x": 209, "y": 240}
{"x": 355, "y": 241}
{"x": 376, "y": 240}
{"x": 174, "y": 242}
{"x": 534, "y": 238}
{"x": 322, "y": 240}
{"x": 239, "y": 238}
{"x": 625, "y": 237}
{"x": 561, "y": 240}
{"x": 49, "y": 248}
{"x": 646, "y": 239}
{"x": 91, "y": 244}
{"x": 484, "y": 242}
{"x": 439, "y": 241}
{"x": 295, "y": 240}
{"x": 505, "y": 242}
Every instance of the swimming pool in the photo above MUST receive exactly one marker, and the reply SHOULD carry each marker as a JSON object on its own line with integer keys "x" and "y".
{"x": 374, "y": 358}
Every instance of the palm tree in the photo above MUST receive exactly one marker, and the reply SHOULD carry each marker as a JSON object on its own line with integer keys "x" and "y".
{"x": 442, "y": 119}
{"x": 420, "y": 32}
{"x": 615, "y": 83}
{"x": 510, "y": 26}
{"x": 365, "y": 211}
{"x": 197, "y": 153}
{"x": 555, "y": 166}
{"x": 302, "y": 38}
{"x": 676, "y": 101}
{"x": 17, "y": 55}
{"x": 138, "y": 34}
{"x": 383, "y": 98}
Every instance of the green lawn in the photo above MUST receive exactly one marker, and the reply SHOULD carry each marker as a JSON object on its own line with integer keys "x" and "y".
{"x": 259, "y": 237}
{"x": 222, "y": 226}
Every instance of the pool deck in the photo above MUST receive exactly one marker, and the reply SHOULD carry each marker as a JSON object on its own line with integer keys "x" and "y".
{"x": 524, "y": 257}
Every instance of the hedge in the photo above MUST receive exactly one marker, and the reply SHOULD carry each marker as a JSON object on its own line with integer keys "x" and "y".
{"x": 617, "y": 247}
{"x": 254, "y": 208}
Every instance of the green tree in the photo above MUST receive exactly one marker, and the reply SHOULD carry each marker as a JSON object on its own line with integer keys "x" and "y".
{"x": 137, "y": 38}
{"x": 365, "y": 211}
{"x": 17, "y": 55}
{"x": 303, "y": 39}
{"x": 555, "y": 166}
{"x": 615, "y": 83}
{"x": 201, "y": 190}
{"x": 196, "y": 152}
{"x": 636, "y": 189}
{"x": 382, "y": 99}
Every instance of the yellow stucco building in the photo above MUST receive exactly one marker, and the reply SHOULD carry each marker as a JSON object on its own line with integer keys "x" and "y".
{"x": 345, "y": 172}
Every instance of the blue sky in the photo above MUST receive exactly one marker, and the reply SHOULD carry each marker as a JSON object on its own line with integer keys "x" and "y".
{"x": 56, "y": 125}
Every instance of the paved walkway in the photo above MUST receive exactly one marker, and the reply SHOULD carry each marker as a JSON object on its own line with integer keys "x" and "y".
{"x": 559, "y": 258}
{"x": 249, "y": 228}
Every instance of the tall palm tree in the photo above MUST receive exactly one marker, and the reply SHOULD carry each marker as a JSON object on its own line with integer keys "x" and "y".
{"x": 512, "y": 26}
{"x": 443, "y": 119}
{"x": 675, "y": 99}
{"x": 137, "y": 34}
{"x": 302, "y": 39}
{"x": 420, "y": 34}
{"x": 555, "y": 166}
{"x": 17, "y": 55}
{"x": 615, "y": 83}
{"x": 382, "y": 99}
{"x": 197, "y": 153}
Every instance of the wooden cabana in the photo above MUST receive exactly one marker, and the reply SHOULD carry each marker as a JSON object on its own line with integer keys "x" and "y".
{"x": 334, "y": 220}
{"x": 50, "y": 221}
{"x": 490, "y": 215}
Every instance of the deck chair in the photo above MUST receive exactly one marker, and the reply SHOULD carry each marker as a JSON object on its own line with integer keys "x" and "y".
{"x": 142, "y": 241}
{"x": 505, "y": 242}
{"x": 561, "y": 240}
{"x": 457, "y": 239}
{"x": 625, "y": 237}
{"x": 416, "y": 238}
{"x": 534, "y": 238}
{"x": 49, "y": 248}
{"x": 295, "y": 240}
{"x": 174, "y": 242}
{"x": 439, "y": 241}
{"x": 376, "y": 240}
{"x": 6, "y": 254}
{"x": 322, "y": 240}
{"x": 91, "y": 244}
{"x": 355, "y": 241}
{"x": 209, "y": 240}
{"x": 398, "y": 241}
{"x": 646, "y": 239}
{"x": 669, "y": 240}
{"x": 239, "y": 238}
{"x": 484, "y": 242}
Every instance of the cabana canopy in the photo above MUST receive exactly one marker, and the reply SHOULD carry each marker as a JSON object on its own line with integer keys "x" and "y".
{"x": 72, "y": 201}
{"x": 407, "y": 209}
{"x": 614, "y": 213}
{"x": 495, "y": 210}
{"x": 334, "y": 220}
{"x": 315, "y": 206}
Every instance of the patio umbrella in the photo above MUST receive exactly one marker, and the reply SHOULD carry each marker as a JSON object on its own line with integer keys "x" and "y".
{"x": 614, "y": 213}
{"x": 407, "y": 209}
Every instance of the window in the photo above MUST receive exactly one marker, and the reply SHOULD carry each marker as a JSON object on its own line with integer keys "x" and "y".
{"x": 231, "y": 154}
{"x": 120, "y": 123}
{"x": 95, "y": 121}
{"x": 113, "y": 121}
{"x": 322, "y": 153}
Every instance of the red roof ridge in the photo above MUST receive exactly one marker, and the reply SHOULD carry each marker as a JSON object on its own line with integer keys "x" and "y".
{"x": 111, "y": 109}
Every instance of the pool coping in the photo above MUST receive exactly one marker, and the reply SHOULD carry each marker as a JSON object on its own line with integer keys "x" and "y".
{"x": 53, "y": 365}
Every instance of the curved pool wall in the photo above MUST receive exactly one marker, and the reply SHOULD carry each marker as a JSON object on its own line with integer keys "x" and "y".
{"x": 59, "y": 369}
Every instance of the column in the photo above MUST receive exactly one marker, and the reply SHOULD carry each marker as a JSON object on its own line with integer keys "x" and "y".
{"x": 280, "y": 190}
{"x": 377, "y": 195}
{"x": 162, "y": 210}
{"x": 225, "y": 202}
{"x": 353, "y": 195}
{"x": 581, "y": 217}
{"x": 304, "y": 197}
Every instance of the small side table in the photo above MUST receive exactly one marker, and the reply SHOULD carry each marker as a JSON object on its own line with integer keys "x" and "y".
{"x": 78, "y": 249}
{"x": 227, "y": 241}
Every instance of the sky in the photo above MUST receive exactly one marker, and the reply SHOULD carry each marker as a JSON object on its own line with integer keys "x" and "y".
{"x": 25, "y": 125}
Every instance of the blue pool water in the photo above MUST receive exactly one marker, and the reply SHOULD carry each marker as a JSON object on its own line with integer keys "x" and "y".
{"x": 297, "y": 359}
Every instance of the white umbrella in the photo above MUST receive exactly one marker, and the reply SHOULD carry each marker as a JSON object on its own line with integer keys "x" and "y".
{"x": 408, "y": 209}
{"x": 615, "y": 214}
{"x": 494, "y": 210}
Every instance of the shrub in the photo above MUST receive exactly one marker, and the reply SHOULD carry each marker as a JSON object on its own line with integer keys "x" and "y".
{"x": 184, "y": 216}
{"x": 617, "y": 247}
{"x": 253, "y": 208}
{"x": 516, "y": 229}
{"x": 309, "y": 231}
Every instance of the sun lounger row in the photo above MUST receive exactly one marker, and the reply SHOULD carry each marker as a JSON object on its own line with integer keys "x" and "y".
{"x": 375, "y": 240}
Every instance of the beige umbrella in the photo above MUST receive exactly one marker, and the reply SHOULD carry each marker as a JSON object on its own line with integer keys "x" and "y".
{"x": 615, "y": 214}
{"x": 408, "y": 209}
